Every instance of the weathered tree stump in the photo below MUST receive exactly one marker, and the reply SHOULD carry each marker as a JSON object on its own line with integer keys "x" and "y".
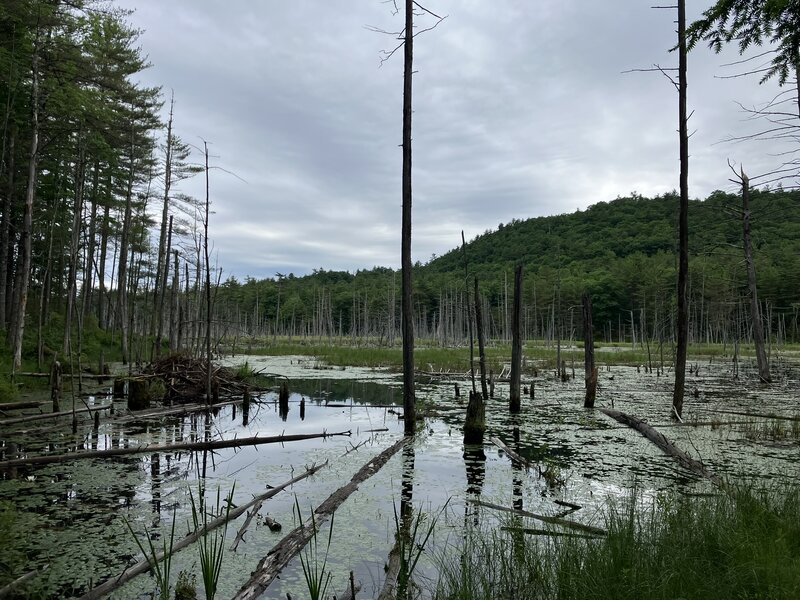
{"x": 138, "y": 394}
{"x": 475, "y": 422}
{"x": 55, "y": 385}
{"x": 119, "y": 387}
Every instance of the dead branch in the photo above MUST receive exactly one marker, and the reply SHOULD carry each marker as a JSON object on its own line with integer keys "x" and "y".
{"x": 544, "y": 518}
{"x": 658, "y": 438}
{"x": 515, "y": 458}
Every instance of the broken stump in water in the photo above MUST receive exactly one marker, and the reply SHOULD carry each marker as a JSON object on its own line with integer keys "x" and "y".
{"x": 475, "y": 422}
{"x": 119, "y": 387}
{"x": 138, "y": 394}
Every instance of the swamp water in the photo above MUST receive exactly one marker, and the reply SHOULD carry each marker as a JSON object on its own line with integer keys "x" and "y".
{"x": 70, "y": 515}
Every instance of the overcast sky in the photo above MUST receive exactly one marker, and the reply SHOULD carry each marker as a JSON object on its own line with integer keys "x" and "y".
{"x": 521, "y": 109}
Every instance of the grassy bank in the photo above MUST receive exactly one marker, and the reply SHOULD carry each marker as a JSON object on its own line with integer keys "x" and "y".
{"x": 430, "y": 356}
{"x": 746, "y": 545}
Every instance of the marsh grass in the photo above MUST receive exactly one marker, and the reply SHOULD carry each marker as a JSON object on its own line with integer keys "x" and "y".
{"x": 314, "y": 563}
{"x": 743, "y": 545}
{"x": 211, "y": 545}
{"x": 161, "y": 569}
{"x": 771, "y": 430}
{"x": 430, "y": 356}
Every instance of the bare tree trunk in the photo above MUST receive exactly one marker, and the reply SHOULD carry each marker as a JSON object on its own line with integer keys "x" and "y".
{"x": 5, "y": 230}
{"x": 174, "y": 324}
{"x": 516, "y": 343}
{"x": 409, "y": 407}
{"x": 122, "y": 271}
{"x": 481, "y": 346}
{"x": 162, "y": 264}
{"x": 682, "y": 325}
{"x": 755, "y": 309}
{"x": 88, "y": 273}
{"x": 24, "y": 264}
{"x": 72, "y": 274}
{"x": 588, "y": 352}
{"x": 208, "y": 283}
{"x": 101, "y": 269}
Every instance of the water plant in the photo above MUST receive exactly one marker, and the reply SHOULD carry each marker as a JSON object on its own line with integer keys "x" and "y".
{"x": 161, "y": 565}
{"x": 743, "y": 544}
{"x": 315, "y": 573}
{"x": 211, "y": 545}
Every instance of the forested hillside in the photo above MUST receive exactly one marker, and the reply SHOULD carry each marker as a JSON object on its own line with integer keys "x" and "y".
{"x": 622, "y": 252}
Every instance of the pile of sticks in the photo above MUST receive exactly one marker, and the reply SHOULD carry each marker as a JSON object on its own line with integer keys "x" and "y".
{"x": 184, "y": 379}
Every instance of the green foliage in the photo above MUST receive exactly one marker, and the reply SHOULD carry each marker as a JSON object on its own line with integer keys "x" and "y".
{"x": 622, "y": 252}
{"x": 211, "y": 545}
{"x": 742, "y": 545}
{"x": 8, "y": 391}
{"x": 11, "y": 559}
{"x": 185, "y": 586}
{"x": 315, "y": 573}
{"x": 749, "y": 23}
{"x": 161, "y": 571}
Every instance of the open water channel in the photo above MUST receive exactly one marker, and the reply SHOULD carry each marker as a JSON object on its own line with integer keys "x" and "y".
{"x": 71, "y": 516}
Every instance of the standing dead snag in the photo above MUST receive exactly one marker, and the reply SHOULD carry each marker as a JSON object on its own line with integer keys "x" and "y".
{"x": 590, "y": 370}
{"x": 481, "y": 344}
{"x": 409, "y": 407}
{"x": 755, "y": 309}
{"x": 516, "y": 343}
{"x": 682, "y": 323}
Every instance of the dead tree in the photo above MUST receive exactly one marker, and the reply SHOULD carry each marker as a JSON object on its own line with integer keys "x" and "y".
{"x": 481, "y": 344}
{"x": 588, "y": 353}
{"x": 755, "y": 309}
{"x": 516, "y": 343}
{"x": 682, "y": 322}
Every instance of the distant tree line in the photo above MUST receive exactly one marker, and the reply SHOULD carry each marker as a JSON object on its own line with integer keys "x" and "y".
{"x": 621, "y": 252}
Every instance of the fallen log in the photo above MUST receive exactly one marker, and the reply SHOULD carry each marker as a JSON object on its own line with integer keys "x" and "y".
{"x": 52, "y": 415}
{"x": 145, "y": 565}
{"x": 24, "y": 404}
{"x": 9, "y": 588}
{"x": 544, "y": 518}
{"x": 658, "y": 438}
{"x": 279, "y": 556}
{"x": 389, "y": 589}
{"x": 152, "y": 448}
{"x": 515, "y": 458}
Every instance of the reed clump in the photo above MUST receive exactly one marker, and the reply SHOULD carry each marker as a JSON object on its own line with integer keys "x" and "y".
{"x": 745, "y": 544}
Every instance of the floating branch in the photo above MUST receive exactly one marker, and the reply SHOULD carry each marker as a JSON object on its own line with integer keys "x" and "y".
{"x": 544, "y": 518}
{"x": 658, "y": 438}
{"x": 515, "y": 458}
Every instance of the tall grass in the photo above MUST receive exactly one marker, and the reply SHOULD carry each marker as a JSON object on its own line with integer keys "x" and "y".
{"x": 746, "y": 545}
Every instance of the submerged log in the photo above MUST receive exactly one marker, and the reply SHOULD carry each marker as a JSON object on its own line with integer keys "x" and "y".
{"x": 475, "y": 422}
{"x": 150, "y": 448}
{"x": 544, "y": 518}
{"x": 658, "y": 438}
{"x": 276, "y": 559}
{"x": 515, "y": 458}
{"x": 145, "y": 565}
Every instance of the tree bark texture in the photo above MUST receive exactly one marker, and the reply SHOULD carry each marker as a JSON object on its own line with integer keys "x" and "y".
{"x": 409, "y": 402}
{"x": 516, "y": 343}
